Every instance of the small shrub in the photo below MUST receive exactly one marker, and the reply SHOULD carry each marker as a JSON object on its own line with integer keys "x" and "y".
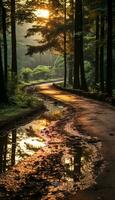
{"x": 26, "y": 74}
{"x": 24, "y": 100}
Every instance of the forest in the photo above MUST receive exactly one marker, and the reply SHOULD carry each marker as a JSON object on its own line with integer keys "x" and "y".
{"x": 57, "y": 98}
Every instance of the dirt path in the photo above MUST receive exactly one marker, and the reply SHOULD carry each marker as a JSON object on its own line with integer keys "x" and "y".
{"x": 96, "y": 119}
{"x": 70, "y": 166}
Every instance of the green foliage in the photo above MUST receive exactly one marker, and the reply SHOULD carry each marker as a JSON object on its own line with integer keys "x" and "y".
{"x": 42, "y": 72}
{"x": 26, "y": 73}
{"x": 59, "y": 66}
{"x": 59, "y": 62}
{"x": 41, "y": 69}
{"x": 23, "y": 100}
{"x": 89, "y": 72}
{"x": 9, "y": 111}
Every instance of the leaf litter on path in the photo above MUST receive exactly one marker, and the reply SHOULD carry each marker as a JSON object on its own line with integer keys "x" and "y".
{"x": 63, "y": 166}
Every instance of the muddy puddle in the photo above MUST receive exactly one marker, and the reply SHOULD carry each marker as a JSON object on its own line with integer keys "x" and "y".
{"x": 64, "y": 164}
{"x": 75, "y": 167}
{"x": 18, "y": 144}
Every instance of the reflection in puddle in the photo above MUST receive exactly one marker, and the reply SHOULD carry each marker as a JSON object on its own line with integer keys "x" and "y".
{"x": 79, "y": 164}
{"x": 73, "y": 169}
{"x": 19, "y": 143}
{"x": 64, "y": 167}
{"x": 15, "y": 146}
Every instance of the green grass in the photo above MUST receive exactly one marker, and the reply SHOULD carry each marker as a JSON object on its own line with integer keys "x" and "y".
{"x": 19, "y": 104}
{"x": 11, "y": 111}
{"x": 38, "y": 81}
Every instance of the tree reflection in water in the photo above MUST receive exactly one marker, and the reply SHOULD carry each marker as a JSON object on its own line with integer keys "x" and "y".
{"x": 7, "y": 150}
{"x": 19, "y": 143}
{"x": 79, "y": 164}
{"x": 15, "y": 146}
{"x": 3, "y": 152}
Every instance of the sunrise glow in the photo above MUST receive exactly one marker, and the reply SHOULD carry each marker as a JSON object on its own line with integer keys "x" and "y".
{"x": 42, "y": 13}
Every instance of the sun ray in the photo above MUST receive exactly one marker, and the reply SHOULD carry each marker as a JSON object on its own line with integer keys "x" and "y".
{"x": 43, "y": 13}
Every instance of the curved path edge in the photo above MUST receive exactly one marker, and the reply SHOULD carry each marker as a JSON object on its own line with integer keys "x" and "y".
{"x": 96, "y": 119}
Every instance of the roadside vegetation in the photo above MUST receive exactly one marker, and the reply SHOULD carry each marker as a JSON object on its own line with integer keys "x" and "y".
{"x": 19, "y": 104}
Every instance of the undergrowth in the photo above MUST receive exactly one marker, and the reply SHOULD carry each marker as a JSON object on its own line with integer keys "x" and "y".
{"x": 19, "y": 103}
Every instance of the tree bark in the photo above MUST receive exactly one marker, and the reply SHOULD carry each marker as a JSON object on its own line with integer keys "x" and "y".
{"x": 3, "y": 97}
{"x": 70, "y": 69}
{"x": 65, "y": 54}
{"x": 109, "y": 49}
{"x": 13, "y": 39}
{"x": 83, "y": 79}
{"x": 76, "y": 83}
{"x": 102, "y": 35}
{"x": 79, "y": 57}
{"x": 97, "y": 52}
{"x": 5, "y": 44}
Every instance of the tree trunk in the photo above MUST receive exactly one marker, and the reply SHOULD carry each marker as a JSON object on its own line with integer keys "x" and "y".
{"x": 79, "y": 57}
{"x": 65, "y": 54}
{"x": 5, "y": 45}
{"x": 13, "y": 39}
{"x": 70, "y": 65}
{"x": 83, "y": 79}
{"x": 3, "y": 97}
{"x": 109, "y": 49}
{"x": 102, "y": 55}
{"x": 76, "y": 83}
{"x": 97, "y": 52}
{"x": 70, "y": 69}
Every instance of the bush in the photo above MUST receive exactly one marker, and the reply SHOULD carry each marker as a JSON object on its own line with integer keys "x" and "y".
{"x": 26, "y": 74}
{"x": 24, "y": 100}
{"x": 42, "y": 72}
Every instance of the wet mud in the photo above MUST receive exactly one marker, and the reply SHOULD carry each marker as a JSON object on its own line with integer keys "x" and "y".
{"x": 48, "y": 158}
